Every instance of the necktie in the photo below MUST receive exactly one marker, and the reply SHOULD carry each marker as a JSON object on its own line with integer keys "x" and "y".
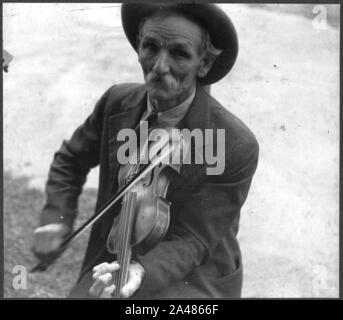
{"x": 152, "y": 119}
{"x": 152, "y": 123}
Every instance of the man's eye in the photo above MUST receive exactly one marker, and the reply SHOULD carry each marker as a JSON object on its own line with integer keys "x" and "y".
{"x": 150, "y": 46}
{"x": 180, "y": 54}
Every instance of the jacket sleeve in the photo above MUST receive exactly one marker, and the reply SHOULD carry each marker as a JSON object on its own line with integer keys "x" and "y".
{"x": 70, "y": 166}
{"x": 205, "y": 215}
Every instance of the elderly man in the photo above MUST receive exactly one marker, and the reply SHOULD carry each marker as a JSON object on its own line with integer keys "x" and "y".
{"x": 180, "y": 48}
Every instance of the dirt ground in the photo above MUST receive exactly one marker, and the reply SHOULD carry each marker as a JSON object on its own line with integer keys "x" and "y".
{"x": 284, "y": 86}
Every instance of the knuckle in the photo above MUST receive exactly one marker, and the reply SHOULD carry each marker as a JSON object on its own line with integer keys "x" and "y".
{"x": 105, "y": 278}
{"x": 101, "y": 280}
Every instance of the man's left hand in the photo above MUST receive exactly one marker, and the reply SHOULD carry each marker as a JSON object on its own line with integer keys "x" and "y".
{"x": 103, "y": 285}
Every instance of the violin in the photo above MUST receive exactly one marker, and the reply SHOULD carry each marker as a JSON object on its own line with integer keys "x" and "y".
{"x": 145, "y": 212}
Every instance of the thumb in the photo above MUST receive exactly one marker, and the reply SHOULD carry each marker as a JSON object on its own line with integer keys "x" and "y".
{"x": 136, "y": 273}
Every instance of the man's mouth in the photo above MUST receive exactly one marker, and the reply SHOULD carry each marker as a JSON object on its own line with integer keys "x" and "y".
{"x": 161, "y": 82}
{"x": 158, "y": 82}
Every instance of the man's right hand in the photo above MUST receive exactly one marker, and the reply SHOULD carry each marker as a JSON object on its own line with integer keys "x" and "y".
{"x": 47, "y": 240}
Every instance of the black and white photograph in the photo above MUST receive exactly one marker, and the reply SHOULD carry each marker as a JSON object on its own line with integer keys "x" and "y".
{"x": 171, "y": 150}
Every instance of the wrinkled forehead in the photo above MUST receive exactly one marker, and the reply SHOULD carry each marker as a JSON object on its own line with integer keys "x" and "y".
{"x": 169, "y": 25}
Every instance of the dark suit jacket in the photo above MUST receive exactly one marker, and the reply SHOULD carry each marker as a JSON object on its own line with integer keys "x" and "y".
{"x": 200, "y": 256}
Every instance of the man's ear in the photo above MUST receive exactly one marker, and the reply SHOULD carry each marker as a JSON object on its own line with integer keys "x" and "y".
{"x": 206, "y": 63}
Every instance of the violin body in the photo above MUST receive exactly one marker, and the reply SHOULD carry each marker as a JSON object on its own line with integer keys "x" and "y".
{"x": 151, "y": 214}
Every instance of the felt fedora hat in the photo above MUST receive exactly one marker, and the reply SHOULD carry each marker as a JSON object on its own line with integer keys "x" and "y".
{"x": 209, "y": 16}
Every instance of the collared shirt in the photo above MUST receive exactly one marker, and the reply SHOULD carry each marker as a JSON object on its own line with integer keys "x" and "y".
{"x": 171, "y": 117}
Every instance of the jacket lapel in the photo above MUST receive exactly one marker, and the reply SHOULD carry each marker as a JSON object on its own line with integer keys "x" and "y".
{"x": 197, "y": 117}
{"x": 131, "y": 111}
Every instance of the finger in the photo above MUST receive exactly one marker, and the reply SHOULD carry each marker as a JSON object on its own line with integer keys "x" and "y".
{"x": 105, "y": 268}
{"x": 55, "y": 243}
{"x": 100, "y": 269}
{"x": 105, "y": 279}
{"x": 100, "y": 266}
{"x": 45, "y": 242}
{"x": 42, "y": 243}
{"x": 95, "y": 290}
{"x": 132, "y": 285}
{"x": 99, "y": 284}
{"x": 49, "y": 228}
{"x": 108, "y": 291}
{"x": 129, "y": 289}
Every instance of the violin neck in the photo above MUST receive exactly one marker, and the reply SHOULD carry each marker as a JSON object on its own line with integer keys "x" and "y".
{"x": 121, "y": 277}
{"x": 124, "y": 252}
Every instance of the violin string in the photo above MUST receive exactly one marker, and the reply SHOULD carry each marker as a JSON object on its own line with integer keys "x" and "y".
{"x": 127, "y": 239}
{"x": 125, "y": 232}
{"x": 120, "y": 245}
{"x": 130, "y": 218}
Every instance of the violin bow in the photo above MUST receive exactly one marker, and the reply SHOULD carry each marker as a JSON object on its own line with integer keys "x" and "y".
{"x": 43, "y": 265}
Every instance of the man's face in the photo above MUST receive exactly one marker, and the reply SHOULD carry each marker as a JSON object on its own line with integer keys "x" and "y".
{"x": 168, "y": 53}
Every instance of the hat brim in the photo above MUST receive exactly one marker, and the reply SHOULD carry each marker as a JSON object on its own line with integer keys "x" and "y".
{"x": 213, "y": 19}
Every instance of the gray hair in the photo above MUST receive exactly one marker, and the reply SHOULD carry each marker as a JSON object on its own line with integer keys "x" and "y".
{"x": 206, "y": 47}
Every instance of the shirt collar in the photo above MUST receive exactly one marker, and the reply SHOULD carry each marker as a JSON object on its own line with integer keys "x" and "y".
{"x": 174, "y": 115}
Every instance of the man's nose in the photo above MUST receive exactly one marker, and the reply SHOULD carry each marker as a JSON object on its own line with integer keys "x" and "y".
{"x": 161, "y": 65}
